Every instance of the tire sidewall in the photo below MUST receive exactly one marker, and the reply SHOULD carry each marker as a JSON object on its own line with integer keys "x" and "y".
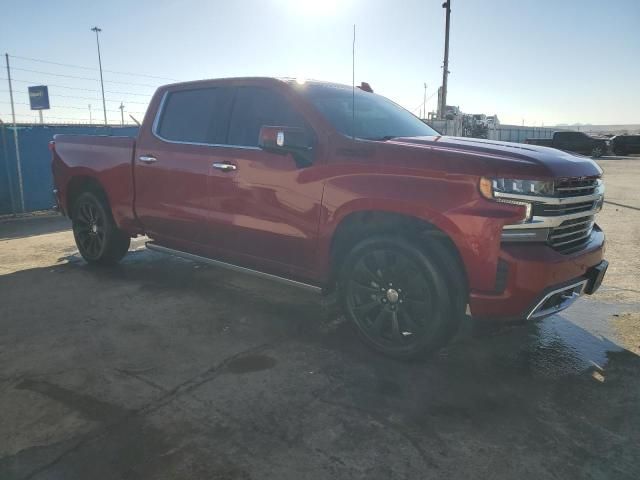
{"x": 431, "y": 272}
{"x": 597, "y": 152}
{"x": 111, "y": 234}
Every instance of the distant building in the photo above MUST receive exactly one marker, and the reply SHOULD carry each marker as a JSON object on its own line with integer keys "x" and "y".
{"x": 451, "y": 112}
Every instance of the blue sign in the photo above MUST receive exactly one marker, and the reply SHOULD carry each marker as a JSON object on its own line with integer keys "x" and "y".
{"x": 39, "y": 97}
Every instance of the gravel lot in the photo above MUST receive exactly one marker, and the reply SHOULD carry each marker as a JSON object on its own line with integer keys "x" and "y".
{"x": 161, "y": 368}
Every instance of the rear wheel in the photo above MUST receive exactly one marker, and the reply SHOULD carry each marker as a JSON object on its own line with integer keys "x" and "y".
{"x": 97, "y": 237}
{"x": 620, "y": 151}
{"x": 399, "y": 297}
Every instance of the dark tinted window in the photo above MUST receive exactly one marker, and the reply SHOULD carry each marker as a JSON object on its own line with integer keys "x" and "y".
{"x": 199, "y": 116}
{"x": 255, "y": 107}
{"x": 376, "y": 117}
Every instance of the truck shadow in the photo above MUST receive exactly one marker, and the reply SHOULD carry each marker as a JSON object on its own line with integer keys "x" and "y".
{"x": 555, "y": 347}
{"x": 554, "y": 393}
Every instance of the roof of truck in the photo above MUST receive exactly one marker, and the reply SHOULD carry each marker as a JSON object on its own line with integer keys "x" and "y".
{"x": 288, "y": 80}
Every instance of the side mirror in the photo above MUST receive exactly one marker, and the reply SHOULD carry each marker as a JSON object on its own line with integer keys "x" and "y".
{"x": 286, "y": 140}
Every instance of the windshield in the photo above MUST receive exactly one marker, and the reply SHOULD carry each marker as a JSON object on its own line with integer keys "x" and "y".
{"x": 376, "y": 117}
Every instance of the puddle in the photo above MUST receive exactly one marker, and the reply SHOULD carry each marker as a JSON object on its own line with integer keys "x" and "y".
{"x": 576, "y": 340}
{"x": 251, "y": 363}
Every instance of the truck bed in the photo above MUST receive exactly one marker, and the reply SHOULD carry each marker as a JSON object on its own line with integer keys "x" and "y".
{"x": 106, "y": 159}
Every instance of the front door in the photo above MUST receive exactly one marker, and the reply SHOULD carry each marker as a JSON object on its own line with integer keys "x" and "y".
{"x": 265, "y": 207}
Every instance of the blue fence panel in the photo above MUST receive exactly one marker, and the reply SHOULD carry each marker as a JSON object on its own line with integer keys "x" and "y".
{"x": 36, "y": 163}
{"x": 8, "y": 197}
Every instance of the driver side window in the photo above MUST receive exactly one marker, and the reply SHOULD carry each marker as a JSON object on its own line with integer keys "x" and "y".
{"x": 255, "y": 107}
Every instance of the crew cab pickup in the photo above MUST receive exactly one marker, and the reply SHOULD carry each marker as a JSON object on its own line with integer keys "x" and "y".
{"x": 577, "y": 142}
{"x": 409, "y": 229}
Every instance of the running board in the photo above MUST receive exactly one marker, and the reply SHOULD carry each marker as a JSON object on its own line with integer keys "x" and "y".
{"x": 235, "y": 268}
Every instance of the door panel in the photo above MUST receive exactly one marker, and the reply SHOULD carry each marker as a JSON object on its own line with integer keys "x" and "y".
{"x": 172, "y": 194}
{"x": 266, "y": 212}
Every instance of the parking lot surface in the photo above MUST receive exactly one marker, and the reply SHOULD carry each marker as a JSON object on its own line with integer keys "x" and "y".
{"x": 161, "y": 368}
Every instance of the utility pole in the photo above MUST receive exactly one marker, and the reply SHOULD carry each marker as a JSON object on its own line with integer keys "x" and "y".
{"x": 6, "y": 165}
{"x": 121, "y": 107}
{"x": 424, "y": 103}
{"x": 15, "y": 135}
{"x": 90, "y": 117}
{"x": 104, "y": 104}
{"x": 445, "y": 70}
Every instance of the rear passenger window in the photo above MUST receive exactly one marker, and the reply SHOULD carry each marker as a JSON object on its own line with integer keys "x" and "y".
{"x": 255, "y": 107}
{"x": 198, "y": 116}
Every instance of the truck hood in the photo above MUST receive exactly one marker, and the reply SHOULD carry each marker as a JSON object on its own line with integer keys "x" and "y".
{"x": 505, "y": 158}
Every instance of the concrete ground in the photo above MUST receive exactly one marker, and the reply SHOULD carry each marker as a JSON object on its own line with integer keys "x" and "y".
{"x": 161, "y": 368}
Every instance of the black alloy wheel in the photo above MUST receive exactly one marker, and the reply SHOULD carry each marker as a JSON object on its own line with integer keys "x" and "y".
{"x": 397, "y": 297}
{"x": 597, "y": 152}
{"x": 89, "y": 228}
{"x": 97, "y": 237}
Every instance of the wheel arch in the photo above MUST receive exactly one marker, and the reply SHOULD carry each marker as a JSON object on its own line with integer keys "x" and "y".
{"x": 81, "y": 184}
{"x": 360, "y": 224}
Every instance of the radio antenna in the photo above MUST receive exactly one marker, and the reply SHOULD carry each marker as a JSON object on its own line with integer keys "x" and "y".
{"x": 353, "y": 85}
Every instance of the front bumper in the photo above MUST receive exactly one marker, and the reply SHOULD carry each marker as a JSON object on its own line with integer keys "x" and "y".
{"x": 540, "y": 281}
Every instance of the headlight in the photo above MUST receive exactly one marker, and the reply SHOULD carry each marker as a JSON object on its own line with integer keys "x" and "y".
{"x": 505, "y": 186}
{"x": 499, "y": 189}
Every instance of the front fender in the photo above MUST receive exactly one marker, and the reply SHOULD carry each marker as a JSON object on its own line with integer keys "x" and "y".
{"x": 450, "y": 203}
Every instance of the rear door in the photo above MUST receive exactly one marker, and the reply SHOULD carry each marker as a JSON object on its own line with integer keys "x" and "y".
{"x": 570, "y": 141}
{"x": 562, "y": 140}
{"x": 172, "y": 165}
{"x": 264, "y": 212}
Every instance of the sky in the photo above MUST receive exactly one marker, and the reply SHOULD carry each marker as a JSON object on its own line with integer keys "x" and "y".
{"x": 537, "y": 62}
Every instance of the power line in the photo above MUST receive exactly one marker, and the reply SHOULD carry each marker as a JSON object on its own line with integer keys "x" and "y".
{"x": 425, "y": 102}
{"x": 82, "y": 78}
{"x": 78, "y": 88}
{"x": 128, "y": 93}
{"x": 54, "y": 74}
{"x": 92, "y": 69}
{"x": 55, "y": 117}
{"x": 82, "y": 98}
{"x": 68, "y": 106}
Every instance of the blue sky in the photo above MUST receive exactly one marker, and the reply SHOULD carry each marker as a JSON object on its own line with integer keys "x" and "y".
{"x": 537, "y": 61}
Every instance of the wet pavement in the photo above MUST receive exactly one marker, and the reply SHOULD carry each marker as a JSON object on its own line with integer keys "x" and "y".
{"x": 161, "y": 368}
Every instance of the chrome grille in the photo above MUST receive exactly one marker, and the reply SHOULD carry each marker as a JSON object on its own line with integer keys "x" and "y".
{"x": 565, "y": 219}
{"x": 571, "y": 235}
{"x": 575, "y": 187}
{"x": 545, "y": 209}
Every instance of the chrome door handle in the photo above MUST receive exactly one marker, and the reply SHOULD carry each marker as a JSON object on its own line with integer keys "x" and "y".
{"x": 147, "y": 159}
{"x": 225, "y": 167}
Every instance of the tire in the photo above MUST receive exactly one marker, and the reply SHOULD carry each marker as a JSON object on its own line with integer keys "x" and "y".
{"x": 620, "y": 151}
{"x": 597, "y": 152}
{"x": 97, "y": 237}
{"x": 401, "y": 299}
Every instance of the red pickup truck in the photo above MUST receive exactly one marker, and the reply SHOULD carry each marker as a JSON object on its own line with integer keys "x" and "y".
{"x": 289, "y": 181}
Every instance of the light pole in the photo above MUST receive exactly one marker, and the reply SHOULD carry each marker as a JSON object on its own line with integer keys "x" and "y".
{"x": 104, "y": 104}
{"x": 445, "y": 70}
{"x": 90, "y": 117}
{"x": 424, "y": 103}
{"x": 121, "y": 107}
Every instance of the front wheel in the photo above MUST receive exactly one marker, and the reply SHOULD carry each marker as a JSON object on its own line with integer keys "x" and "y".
{"x": 398, "y": 296}
{"x": 97, "y": 237}
{"x": 597, "y": 152}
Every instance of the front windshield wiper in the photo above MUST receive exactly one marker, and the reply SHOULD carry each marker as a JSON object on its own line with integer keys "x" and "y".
{"x": 382, "y": 139}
